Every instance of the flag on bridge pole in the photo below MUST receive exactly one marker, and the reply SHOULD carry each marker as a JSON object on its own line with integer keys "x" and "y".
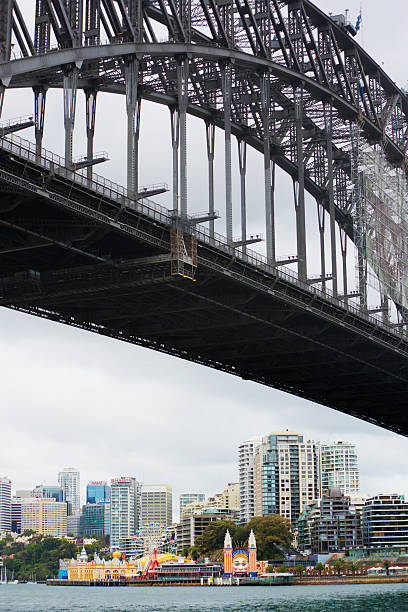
{"x": 359, "y": 19}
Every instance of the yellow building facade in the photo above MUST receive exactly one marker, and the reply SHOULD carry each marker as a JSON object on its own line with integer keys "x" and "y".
{"x": 231, "y": 496}
{"x": 99, "y": 569}
{"x": 45, "y": 516}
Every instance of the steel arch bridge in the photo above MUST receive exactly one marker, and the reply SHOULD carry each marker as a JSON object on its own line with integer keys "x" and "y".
{"x": 281, "y": 77}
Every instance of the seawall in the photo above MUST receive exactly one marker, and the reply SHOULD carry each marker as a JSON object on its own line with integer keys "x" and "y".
{"x": 326, "y": 580}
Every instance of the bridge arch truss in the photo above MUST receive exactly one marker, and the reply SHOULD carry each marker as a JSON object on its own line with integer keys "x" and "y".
{"x": 279, "y": 76}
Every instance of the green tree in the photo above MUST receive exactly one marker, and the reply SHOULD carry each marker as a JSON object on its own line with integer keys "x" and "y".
{"x": 386, "y": 565}
{"x": 353, "y": 567}
{"x": 339, "y": 566}
{"x": 194, "y": 553}
{"x": 214, "y": 534}
{"x": 96, "y": 546}
{"x": 300, "y": 569}
{"x": 40, "y": 558}
{"x": 283, "y": 569}
{"x": 319, "y": 567}
{"x": 271, "y": 531}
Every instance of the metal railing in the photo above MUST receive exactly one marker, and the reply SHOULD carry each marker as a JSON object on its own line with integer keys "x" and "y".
{"x": 16, "y": 121}
{"x": 118, "y": 194}
{"x": 287, "y": 274}
{"x": 153, "y": 187}
{"x": 202, "y": 213}
{"x": 99, "y": 184}
{"x": 257, "y": 236}
{"x": 97, "y": 155}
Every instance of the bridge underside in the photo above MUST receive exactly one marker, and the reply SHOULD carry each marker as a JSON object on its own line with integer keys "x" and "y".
{"x": 74, "y": 258}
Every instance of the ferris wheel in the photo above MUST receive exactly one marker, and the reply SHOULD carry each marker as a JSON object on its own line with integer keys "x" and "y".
{"x": 155, "y": 536}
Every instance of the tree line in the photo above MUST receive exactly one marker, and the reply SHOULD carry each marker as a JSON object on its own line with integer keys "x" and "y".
{"x": 273, "y": 533}
{"x": 39, "y": 558}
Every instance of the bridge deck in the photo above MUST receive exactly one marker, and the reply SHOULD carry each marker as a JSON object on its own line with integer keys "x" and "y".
{"x": 88, "y": 257}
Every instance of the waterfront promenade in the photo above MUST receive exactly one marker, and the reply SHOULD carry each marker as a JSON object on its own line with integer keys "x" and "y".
{"x": 293, "y": 581}
{"x": 347, "y": 580}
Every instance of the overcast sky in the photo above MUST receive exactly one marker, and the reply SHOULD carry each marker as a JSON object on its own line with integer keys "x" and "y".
{"x": 71, "y": 398}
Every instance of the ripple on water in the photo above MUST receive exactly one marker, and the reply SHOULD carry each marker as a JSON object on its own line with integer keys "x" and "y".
{"x": 336, "y": 598}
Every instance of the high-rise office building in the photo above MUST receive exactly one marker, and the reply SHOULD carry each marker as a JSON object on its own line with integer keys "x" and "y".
{"x": 329, "y": 525}
{"x": 157, "y": 504}
{"x": 68, "y": 480}
{"x": 16, "y": 514}
{"x": 339, "y": 467}
{"x": 124, "y": 509}
{"x": 193, "y": 525}
{"x": 190, "y": 498}
{"x": 231, "y": 496}
{"x": 45, "y": 516}
{"x": 286, "y": 475}
{"x": 96, "y": 519}
{"x": 97, "y": 491}
{"x": 74, "y": 524}
{"x": 385, "y": 521}
{"x": 48, "y": 492}
{"x": 246, "y": 454}
{"x": 5, "y": 504}
{"x": 16, "y": 502}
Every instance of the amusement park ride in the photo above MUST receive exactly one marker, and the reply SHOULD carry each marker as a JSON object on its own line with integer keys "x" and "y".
{"x": 151, "y": 565}
{"x": 155, "y": 538}
{"x": 237, "y": 561}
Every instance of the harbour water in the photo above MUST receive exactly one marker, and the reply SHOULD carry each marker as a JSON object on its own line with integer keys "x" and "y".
{"x": 356, "y": 598}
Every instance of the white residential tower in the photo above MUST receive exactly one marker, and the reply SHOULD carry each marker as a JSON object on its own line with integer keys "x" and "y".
{"x": 339, "y": 467}
{"x": 246, "y": 453}
{"x": 5, "y": 504}
{"x": 68, "y": 480}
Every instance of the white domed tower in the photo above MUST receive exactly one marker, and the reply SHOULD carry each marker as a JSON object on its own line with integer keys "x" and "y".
{"x": 252, "y": 554}
{"x": 227, "y": 554}
{"x": 83, "y": 557}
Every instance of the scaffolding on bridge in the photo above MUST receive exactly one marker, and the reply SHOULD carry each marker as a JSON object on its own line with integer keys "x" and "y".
{"x": 380, "y": 202}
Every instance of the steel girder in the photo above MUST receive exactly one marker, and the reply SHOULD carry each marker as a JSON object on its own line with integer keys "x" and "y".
{"x": 299, "y": 86}
{"x": 238, "y": 317}
{"x": 294, "y": 34}
{"x": 293, "y": 43}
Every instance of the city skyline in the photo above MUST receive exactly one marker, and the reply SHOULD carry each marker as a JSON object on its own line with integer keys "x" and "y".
{"x": 257, "y": 442}
{"x": 279, "y": 473}
{"x": 110, "y": 408}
